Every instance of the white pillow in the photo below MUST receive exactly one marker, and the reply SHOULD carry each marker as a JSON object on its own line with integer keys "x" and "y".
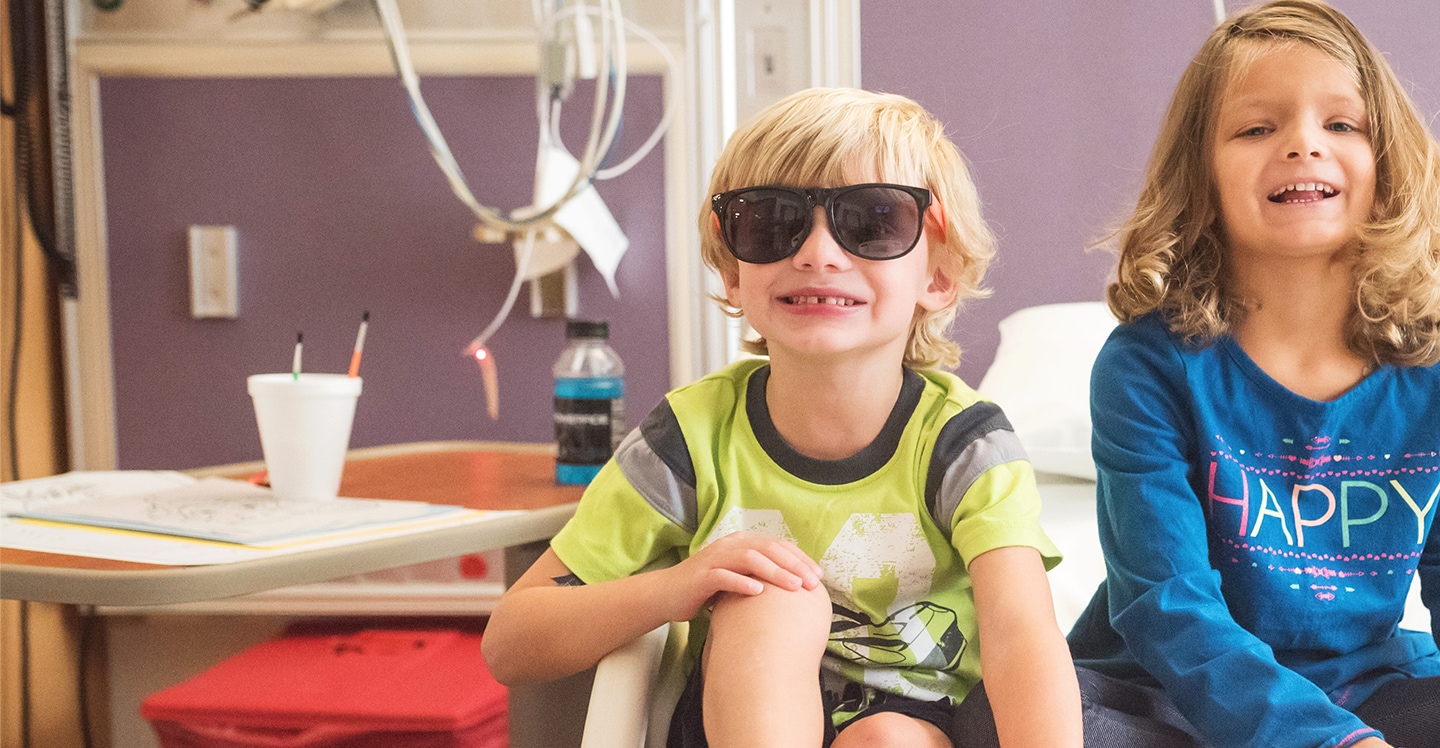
{"x": 1041, "y": 378}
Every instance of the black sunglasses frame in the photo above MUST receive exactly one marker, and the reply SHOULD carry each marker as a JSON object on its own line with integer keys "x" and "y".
{"x": 822, "y": 196}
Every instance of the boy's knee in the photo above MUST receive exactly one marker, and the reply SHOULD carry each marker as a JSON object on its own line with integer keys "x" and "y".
{"x": 804, "y": 612}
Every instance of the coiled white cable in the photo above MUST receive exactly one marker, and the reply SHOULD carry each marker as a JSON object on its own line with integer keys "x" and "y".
{"x": 598, "y": 143}
{"x": 673, "y": 70}
{"x": 612, "y": 75}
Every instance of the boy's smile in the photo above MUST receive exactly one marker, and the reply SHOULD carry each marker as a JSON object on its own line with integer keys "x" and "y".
{"x": 1294, "y": 168}
{"x": 804, "y": 299}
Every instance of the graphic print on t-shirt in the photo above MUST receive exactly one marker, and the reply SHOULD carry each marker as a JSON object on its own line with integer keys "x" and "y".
{"x": 1326, "y": 515}
{"x": 883, "y": 562}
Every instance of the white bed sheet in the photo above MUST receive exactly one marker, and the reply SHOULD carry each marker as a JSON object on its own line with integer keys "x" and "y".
{"x": 1068, "y": 515}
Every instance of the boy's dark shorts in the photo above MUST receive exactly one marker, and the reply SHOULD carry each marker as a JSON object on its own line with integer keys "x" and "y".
{"x": 1116, "y": 714}
{"x": 687, "y": 726}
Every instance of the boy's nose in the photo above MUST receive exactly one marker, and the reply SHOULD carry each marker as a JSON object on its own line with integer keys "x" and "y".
{"x": 820, "y": 249}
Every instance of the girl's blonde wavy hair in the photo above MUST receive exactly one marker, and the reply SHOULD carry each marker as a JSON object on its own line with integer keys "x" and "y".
{"x": 830, "y": 137}
{"x": 1171, "y": 249}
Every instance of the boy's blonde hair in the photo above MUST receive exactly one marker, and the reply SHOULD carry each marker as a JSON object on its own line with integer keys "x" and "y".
{"x": 830, "y": 137}
{"x": 1171, "y": 248}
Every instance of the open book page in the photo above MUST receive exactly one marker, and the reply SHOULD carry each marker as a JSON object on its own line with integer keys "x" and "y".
{"x": 39, "y": 493}
{"x": 227, "y": 510}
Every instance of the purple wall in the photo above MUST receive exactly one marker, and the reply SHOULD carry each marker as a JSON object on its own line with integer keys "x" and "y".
{"x": 1056, "y": 104}
{"x": 339, "y": 208}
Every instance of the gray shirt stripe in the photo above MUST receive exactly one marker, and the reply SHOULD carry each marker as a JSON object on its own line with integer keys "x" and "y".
{"x": 971, "y": 442}
{"x": 656, "y": 461}
{"x": 992, "y": 449}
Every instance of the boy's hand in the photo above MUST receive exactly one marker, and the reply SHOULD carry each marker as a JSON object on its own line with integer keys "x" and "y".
{"x": 742, "y": 563}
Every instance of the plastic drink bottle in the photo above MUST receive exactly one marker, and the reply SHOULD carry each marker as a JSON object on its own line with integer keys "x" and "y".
{"x": 589, "y": 402}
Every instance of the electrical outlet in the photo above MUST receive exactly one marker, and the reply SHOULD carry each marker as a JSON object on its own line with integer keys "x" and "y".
{"x": 214, "y": 273}
{"x": 769, "y": 63}
{"x": 771, "y": 42}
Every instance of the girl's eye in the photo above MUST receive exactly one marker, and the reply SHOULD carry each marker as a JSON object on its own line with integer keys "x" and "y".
{"x": 1341, "y": 127}
{"x": 1252, "y": 131}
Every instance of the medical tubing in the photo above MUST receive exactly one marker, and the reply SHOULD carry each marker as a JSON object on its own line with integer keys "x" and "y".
{"x": 664, "y": 125}
{"x": 617, "y": 60}
{"x": 439, "y": 150}
{"x": 400, "y": 56}
{"x": 671, "y": 64}
{"x": 595, "y": 147}
{"x": 613, "y": 55}
{"x": 520, "y": 264}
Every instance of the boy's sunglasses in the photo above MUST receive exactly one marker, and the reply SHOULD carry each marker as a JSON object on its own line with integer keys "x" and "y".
{"x": 767, "y": 224}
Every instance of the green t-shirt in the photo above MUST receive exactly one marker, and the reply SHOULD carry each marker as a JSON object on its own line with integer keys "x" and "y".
{"x": 893, "y": 527}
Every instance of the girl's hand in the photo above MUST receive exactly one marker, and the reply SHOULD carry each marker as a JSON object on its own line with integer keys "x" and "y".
{"x": 742, "y": 563}
{"x": 1372, "y": 743}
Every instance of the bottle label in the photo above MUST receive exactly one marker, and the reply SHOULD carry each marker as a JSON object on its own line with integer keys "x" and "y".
{"x": 583, "y": 432}
{"x": 593, "y": 388}
{"x": 589, "y": 424}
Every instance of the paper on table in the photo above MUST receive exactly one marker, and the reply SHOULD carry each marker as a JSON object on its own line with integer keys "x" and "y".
{"x": 232, "y": 511}
{"x": 85, "y": 484}
{"x": 171, "y": 550}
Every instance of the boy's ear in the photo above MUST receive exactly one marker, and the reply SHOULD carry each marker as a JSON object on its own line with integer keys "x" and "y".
{"x": 939, "y": 292}
{"x": 731, "y": 278}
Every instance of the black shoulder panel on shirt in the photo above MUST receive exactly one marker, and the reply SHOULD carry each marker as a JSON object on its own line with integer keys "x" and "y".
{"x": 661, "y": 430}
{"x": 963, "y": 429}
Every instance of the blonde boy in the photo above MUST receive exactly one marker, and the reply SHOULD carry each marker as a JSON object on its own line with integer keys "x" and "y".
{"x": 853, "y": 532}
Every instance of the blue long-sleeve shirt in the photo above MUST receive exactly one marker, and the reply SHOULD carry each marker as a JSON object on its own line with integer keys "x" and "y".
{"x": 1260, "y": 545}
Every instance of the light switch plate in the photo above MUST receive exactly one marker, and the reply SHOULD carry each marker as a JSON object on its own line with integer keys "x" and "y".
{"x": 214, "y": 273}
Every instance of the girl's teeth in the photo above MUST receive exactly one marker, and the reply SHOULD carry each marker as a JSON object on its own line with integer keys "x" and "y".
{"x": 1320, "y": 187}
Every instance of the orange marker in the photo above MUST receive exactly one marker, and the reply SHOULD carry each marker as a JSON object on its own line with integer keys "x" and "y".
{"x": 359, "y": 345}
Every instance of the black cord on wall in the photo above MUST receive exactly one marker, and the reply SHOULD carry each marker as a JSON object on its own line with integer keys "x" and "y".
{"x": 24, "y": 673}
{"x": 11, "y": 110}
{"x": 38, "y": 205}
{"x": 22, "y": 112}
{"x": 17, "y": 336}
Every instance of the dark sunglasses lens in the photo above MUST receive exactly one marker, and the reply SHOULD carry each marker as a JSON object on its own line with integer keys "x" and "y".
{"x": 764, "y": 225}
{"x": 877, "y": 223}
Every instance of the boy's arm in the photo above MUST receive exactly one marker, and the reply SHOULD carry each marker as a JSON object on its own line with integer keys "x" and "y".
{"x": 549, "y": 624}
{"x": 1024, "y": 660}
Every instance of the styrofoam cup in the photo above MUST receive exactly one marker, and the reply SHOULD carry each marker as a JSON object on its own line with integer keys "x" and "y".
{"x": 304, "y": 430}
